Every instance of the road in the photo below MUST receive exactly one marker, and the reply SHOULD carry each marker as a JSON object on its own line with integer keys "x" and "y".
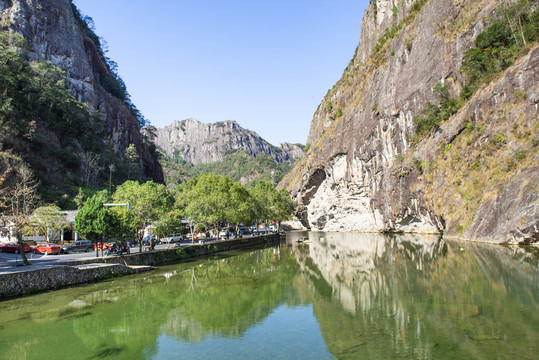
{"x": 9, "y": 261}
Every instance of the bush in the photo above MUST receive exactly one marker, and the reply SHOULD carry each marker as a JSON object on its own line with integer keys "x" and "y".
{"x": 429, "y": 120}
{"x": 329, "y": 107}
{"x": 499, "y": 45}
{"x": 433, "y": 115}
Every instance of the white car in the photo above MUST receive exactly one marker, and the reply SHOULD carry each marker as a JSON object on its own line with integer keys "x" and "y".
{"x": 173, "y": 238}
{"x": 224, "y": 234}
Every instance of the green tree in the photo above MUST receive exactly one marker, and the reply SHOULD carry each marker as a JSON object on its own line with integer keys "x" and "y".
{"x": 283, "y": 207}
{"x": 500, "y": 44}
{"x": 94, "y": 221}
{"x": 206, "y": 199}
{"x": 241, "y": 208}
{"x": 170, "y": 222}
{"x": 270, "y": 204}
{"x": 147, "y": 202}
{"x": 49, "y": 219}
{"x": 132, "y": 157}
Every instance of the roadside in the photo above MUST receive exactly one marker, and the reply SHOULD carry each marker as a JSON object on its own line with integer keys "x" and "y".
{"x": 49, "y": 272}
{"x": 10, "y": 262}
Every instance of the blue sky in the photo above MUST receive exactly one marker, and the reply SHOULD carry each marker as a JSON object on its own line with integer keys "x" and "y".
{"x": 266, "y": 64}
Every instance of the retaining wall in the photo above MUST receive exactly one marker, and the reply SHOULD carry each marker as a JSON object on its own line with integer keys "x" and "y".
{"x": 55, "y": 277}
{"x": 67, "y": 273}
{"x": 166, "y": 256}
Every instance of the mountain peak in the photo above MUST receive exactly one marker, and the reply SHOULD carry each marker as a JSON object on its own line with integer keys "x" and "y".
{"x": 200, "y": 143}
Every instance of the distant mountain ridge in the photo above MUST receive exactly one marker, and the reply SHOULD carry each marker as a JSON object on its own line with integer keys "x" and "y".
{"x": 192, "y": 147}
{"x": 200, "y": 143}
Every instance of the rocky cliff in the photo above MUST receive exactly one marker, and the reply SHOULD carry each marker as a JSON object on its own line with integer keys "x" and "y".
{"x": 192, "y": 148}
{"x": 474, "y": 177}
{"x": 200, "y": 143}
{"x": 55, "y": 32}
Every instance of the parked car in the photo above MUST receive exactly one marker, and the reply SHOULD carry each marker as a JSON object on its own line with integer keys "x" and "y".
{"x": 47, "y": 248}
{"x": 148, "y": 239}
{"x": 131, "y": 243}
{"x": 14, "y": 248}
{"x": 173, "y": 238}
{"x": 243, "y": 232}
{"x": 225, "y": 234}
{"x": 78, "y": 246}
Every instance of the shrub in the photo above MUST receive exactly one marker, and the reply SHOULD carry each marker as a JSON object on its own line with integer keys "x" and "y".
{"x": 433, "y": 115}
{"x": 329, "y": 107}
{"x": 418, "y": 164}
{"x": 416, "y": 6}
{"x": 520, "y": 155}
{"x": 429, "y": 120}
{"x": 500, "y": 44}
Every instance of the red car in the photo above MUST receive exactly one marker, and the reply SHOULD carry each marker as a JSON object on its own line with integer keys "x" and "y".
{"x": 14, "y": 248}
{"x": 47, "y": 248}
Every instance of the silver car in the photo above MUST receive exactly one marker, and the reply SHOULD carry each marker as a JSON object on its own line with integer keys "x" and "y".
{"x": 173, "y": 238}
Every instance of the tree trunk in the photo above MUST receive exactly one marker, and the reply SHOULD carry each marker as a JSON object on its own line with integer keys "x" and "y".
{"x": 511, "y": 26}
{"x": 139, "y": 240}
{"x": 25, "y": 261}
{"x": 522, "y": 31}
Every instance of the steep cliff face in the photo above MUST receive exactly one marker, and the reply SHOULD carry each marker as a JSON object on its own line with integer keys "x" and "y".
{"x": 200, "y": 143}
{"x": 363, "y": 172}
{"x": 54, "y": 34}
{"x": 192, "y": 148}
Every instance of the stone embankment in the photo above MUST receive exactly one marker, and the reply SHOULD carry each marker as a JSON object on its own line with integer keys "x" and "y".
{"x": 67, "y": 273}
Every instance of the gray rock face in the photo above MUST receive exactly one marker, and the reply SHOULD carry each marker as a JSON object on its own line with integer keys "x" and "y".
{"x": 361, "y": 172}
{"x": 291, "y": 151}
{"x": 200, "y": 143}
{"x": 53, "y": 34}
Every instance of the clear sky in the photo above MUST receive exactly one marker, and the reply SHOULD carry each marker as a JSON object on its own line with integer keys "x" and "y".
{"x": 265, "y": 63}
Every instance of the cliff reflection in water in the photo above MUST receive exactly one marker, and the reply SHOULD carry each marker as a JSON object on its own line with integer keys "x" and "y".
{"x": 420, "y": 297}
{"x": 337, "y": 296}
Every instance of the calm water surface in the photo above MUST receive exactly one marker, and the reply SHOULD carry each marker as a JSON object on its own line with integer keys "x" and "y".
{"x": 337, "y": 296}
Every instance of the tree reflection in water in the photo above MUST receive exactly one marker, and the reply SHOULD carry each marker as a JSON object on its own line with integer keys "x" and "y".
{"x": 361, "y": 295}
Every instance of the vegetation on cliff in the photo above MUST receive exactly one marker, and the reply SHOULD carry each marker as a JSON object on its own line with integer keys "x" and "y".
{"x": 437, "y": 113}
{"x": 482, "y": 157}
{"x": 42, "y": 122}
{"x": 66, "y": 144}
{"x": 238, "y": 165}
{"x": 109, "y": 79}
{"x": 507, "y": 38}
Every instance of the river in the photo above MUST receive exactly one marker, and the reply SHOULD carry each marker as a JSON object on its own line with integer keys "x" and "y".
{"x": 334, "y": 296}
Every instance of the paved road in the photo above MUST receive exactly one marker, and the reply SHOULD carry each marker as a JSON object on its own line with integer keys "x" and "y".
{"x": 9, "y": 261}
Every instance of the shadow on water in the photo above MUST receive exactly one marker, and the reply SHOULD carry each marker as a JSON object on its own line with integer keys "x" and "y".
{"x": 76, "y": 316}
{"x": 107, "y": 353}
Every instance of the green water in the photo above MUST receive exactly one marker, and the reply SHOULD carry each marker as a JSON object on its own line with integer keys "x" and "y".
{"x": 339, "y": 296}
